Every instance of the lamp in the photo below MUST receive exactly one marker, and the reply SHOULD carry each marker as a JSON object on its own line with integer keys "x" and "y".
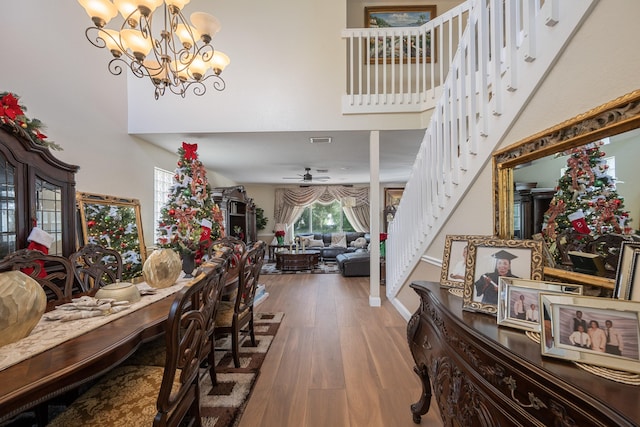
{"x": 175, "y": 55}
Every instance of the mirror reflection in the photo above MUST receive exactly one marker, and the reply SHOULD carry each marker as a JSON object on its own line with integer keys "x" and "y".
{"x": 578, "y": 180}
{"x": 536, "y": 182}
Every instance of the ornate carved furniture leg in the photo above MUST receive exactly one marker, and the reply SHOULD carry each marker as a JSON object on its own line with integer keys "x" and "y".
{"x": 421, "y": 407}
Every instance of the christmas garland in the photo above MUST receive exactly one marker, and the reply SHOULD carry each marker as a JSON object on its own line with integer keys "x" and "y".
{"x": 13, "y": 114}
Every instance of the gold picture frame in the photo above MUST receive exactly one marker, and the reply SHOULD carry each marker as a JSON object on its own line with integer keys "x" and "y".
{"x": 114, "y": 222}
{"x": 454, "y": 260}
{"x": 484, "y": 266}
{"x": 400, "y": 16}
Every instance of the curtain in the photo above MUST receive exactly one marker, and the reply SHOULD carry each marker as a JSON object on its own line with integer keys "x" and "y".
{"x": 290, "y": 203}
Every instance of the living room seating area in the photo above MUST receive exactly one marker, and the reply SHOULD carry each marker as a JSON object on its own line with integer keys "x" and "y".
{"x": 330, "y": 245}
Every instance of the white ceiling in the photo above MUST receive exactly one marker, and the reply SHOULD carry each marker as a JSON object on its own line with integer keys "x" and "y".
{"x": 268, "y": 157}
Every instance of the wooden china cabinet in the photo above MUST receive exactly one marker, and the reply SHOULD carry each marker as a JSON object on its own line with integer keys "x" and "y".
{"x": 35, "y": 188}
{"x": 238, "y": 210}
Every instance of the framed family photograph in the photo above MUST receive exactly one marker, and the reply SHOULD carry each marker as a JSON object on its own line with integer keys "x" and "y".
{"x": 591, "y": 330}
{"x": 454, "y": 260}
{"x": 492, "y": 258}
{"x": 625, "y": 273}
{"x": 409, "y": 48}
{"x": 519, "y": 301}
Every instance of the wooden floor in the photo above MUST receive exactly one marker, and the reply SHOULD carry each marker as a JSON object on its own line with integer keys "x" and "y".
{"x": 335, "y": 360}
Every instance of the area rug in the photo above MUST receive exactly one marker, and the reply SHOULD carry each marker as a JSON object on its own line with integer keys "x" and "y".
{"x": 323, "y": 267}
{"x": 222, "y": 405}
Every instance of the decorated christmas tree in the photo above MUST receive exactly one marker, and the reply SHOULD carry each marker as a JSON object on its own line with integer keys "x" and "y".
{"x": 190, "y": 220}
{"x": 586, "y": 204}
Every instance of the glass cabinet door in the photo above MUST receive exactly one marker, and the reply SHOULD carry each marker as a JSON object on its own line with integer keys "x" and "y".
{"x": 8, "y": 235}
{"x": 48, "y": 212}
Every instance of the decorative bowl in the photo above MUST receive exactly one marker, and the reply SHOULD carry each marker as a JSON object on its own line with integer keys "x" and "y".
{"x": 119, "y": 291}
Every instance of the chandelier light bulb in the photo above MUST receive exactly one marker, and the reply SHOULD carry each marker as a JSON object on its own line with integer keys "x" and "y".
{"x": 219, "y": 62}
{"x": 129, "y": 11}
{"x": 180, "y": 4}
{"x": 208, "y": 25}
{"x": 187, "y": 35}
{"x": 173, "y": 52}
{"x": 100, "y": 11}
{"x": 114, "y": 43}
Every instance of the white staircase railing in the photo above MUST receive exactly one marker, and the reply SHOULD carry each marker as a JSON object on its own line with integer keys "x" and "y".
{"x": 504, "y": 53}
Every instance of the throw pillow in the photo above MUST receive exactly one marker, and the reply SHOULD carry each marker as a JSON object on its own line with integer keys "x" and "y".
{"x": 342, "y": 243}
{"x": 315, "y": 243}
{"x": 359, "y": 243}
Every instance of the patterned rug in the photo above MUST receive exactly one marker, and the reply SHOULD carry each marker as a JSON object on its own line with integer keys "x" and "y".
{"x": 321, "y": 268}
{"x": 222, "y": 405}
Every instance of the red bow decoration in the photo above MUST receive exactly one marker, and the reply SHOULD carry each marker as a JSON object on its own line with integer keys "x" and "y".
{"x": 190, "y": 151}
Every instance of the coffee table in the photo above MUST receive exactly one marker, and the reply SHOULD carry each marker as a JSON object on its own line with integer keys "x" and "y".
{"x": 296, "y": 260}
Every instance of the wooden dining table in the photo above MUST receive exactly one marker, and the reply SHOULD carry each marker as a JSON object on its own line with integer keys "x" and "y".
{"x": 78, "y": 360}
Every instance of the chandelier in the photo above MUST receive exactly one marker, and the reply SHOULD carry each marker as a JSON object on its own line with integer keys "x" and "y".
{"x": 175, "y": 55}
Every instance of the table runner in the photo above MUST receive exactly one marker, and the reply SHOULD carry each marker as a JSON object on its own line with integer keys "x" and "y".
{"x": 48, "y": 334}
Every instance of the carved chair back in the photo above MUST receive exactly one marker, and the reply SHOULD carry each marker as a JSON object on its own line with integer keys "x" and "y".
{"x": 54, "y": 273}
{"x": 96, "y": 266}
{"x": 186, "y": 339}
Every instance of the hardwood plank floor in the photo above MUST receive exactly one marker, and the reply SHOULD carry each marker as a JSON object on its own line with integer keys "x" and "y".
{"x": 335, "y": 361}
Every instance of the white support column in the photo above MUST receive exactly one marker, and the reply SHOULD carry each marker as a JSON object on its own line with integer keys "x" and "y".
{"x": 374, "y": 219}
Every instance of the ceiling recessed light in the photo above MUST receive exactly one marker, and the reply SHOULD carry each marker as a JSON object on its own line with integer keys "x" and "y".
{"x": 320, "y": 140}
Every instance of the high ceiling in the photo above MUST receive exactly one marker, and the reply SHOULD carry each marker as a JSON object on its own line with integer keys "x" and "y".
{"x": 272, "y": 157}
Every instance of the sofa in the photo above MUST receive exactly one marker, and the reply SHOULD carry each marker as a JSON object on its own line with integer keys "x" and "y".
{"x": 329, "y": 249}
{"x": 354, "y": 263}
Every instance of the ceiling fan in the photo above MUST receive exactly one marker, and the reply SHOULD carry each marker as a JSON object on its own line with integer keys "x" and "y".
{"x": 307, "y": 177}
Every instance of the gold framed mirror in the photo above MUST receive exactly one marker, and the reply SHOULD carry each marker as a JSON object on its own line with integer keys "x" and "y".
{"x": 114, "y": 222}
{"x": 617, "y": 119}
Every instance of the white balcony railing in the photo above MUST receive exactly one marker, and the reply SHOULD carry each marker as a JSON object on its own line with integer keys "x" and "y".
{"x": 401, "y": 69}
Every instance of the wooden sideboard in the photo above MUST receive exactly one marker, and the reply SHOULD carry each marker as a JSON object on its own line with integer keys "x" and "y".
{"x": 484, "y": 375}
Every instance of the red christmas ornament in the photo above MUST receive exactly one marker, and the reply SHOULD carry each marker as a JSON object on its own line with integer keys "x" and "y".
{"x": 180, "y": 163}
{"x": 123, "y": 245}
{"x": 172, "y": 212}
{"x": 91, "y": 223}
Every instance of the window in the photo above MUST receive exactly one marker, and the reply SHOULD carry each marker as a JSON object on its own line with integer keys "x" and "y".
{"x": 163, "y": 180}
{"x": 319, "y": 218}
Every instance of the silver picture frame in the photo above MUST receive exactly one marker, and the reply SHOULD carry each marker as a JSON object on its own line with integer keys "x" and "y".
{"x": 619, "y": 319}
{"x": 515, "y": 292}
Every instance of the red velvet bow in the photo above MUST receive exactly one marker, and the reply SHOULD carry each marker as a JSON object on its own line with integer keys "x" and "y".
{"x": 190, "y": 151}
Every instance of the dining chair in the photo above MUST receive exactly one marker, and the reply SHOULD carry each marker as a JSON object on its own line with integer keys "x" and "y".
{"x": 153, "y": 353}
{"x": 96, "y": 266}
{"x": 236, "y": 316}
{"x": 53, "y": 272}
{"x": 155, "y": 395}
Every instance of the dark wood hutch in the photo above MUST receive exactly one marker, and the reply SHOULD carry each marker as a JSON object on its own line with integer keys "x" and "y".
{"x": 238, "y": 210}
{"x": 35, "y": 188}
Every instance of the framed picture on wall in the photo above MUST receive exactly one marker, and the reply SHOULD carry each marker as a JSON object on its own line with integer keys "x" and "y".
{"x": 409, "y": 48}
{"x": 392, "y": 196}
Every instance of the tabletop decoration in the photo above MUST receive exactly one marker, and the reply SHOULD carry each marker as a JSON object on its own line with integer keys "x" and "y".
{"x": 86, "y": 307}
{"x": 162, "y": 268}
{"x": 22, "y": 304}
{"x": 13, "y": 114}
